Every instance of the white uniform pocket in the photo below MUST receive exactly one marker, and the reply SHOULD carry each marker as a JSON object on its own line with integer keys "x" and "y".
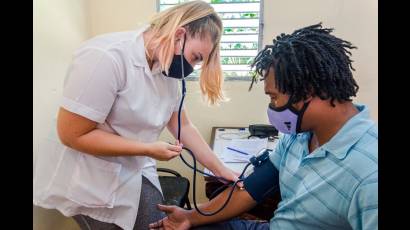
{"x": 94, "y": 182}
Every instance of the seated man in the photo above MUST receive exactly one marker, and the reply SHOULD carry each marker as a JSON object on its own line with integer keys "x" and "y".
{"x": 327, "y": 158}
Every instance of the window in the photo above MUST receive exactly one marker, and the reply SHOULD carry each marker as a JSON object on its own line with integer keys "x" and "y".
{"x": 242, "y": 35}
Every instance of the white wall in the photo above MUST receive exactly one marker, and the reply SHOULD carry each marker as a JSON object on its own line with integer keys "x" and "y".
{"x": 59, "y": 27}
{"x": 117, "y": 15}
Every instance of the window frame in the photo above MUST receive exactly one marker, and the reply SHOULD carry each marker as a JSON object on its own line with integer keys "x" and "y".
{"x": 260, "y": 40}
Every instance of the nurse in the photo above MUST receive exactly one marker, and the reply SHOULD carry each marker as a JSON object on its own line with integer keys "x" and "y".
{"x": 119, "y": 94}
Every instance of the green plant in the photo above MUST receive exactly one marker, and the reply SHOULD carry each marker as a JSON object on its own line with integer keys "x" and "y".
{"x": 228, "y": 30}
{"x": 237, "y": 46}
{"x": 252, "y": 15}
{"x": 236, "y": 60}
{"x": 249, "y": 15}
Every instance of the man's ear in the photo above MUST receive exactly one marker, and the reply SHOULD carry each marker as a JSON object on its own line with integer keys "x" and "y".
{"x": 310, "y": 95}
{"x": 309, "y": 98}
{"x": 299, "y": 104}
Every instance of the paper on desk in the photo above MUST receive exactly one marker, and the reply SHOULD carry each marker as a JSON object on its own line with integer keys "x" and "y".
{"x": 251, "y": 146}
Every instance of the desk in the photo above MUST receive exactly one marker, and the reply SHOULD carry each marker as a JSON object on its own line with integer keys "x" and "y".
{"x": 220, "y": 135}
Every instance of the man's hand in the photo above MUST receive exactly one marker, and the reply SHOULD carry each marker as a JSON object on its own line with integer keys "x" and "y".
{"x": 177, "y": 219}
{"x": 181, "y": 219}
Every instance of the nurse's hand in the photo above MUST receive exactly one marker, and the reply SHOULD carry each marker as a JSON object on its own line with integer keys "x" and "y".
{"x": 163, "y": 151}
{"x": 229, "y": 175}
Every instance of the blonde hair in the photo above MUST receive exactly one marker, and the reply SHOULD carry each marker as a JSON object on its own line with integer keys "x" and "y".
{"x": 198, "y": 18}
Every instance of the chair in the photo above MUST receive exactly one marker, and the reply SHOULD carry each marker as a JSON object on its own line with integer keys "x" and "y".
{"x": 175, "y": 188}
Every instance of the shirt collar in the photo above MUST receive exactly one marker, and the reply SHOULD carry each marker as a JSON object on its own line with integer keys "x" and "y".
{"x": 139, "y": 58}
{"x": 351, "y": 132}
{"x": 340, "y": 144}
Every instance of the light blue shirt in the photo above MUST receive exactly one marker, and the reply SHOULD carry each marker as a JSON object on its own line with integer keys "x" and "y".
{"x": 334, "y": 187}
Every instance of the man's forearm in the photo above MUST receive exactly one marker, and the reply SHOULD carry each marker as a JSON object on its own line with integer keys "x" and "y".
{"x": 240, "y": 202}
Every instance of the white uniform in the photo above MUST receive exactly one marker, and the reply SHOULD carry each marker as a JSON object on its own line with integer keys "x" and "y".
{"x": 109, "y": 81}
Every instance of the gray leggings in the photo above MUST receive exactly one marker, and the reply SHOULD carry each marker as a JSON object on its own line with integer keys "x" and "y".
{"x": 147, "y": 211}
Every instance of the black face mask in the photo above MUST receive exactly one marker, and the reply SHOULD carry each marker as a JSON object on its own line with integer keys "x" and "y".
{"x": 179, "y": 67}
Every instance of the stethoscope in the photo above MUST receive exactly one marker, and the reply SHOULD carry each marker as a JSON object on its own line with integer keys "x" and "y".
{"x": 255, "y": 160}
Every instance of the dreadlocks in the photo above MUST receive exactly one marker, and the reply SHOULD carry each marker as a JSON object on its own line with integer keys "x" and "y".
{"x": 310, "y": 61}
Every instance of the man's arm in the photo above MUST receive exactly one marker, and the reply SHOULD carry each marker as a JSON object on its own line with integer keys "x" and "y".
{"x": 178, "y": 218}
{"x": 240, "y": 202}
{"x": 262, "y": 182}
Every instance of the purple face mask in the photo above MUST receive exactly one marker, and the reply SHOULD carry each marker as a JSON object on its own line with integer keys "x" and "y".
{"x": 286, "y": 119}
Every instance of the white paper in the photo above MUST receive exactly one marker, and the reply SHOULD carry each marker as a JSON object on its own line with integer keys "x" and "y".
{"x": 249, "y": 146}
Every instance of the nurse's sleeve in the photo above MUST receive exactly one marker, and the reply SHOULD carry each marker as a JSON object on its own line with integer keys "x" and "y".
{"x": 91, "y": 85}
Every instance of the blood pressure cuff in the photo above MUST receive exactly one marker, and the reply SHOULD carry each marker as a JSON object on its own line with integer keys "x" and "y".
{"x": 263, "y": 182}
